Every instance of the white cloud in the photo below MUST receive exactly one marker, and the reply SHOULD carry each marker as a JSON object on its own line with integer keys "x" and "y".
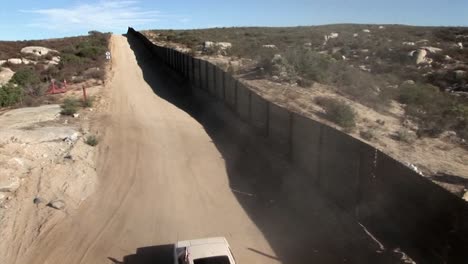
{"x": 104, "y": 15}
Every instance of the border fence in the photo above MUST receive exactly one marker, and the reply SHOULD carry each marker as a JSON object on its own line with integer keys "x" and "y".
{"x": 400, "y": 207}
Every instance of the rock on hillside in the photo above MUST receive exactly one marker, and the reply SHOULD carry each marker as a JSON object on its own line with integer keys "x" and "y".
{"x": 25, "y": 117}
{"x": 15, "y": 61}
{"x": 5, "y": 75}
{"x": 37, "y": 51}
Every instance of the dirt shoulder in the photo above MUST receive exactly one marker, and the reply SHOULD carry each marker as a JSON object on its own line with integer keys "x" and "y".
{"x": 47, "y": 169}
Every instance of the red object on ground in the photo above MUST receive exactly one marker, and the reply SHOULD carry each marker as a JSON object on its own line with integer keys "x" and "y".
{"x": 56, "y": 89}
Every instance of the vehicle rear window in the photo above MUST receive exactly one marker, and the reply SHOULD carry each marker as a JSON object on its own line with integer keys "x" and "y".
{"x": 213, "y": 260}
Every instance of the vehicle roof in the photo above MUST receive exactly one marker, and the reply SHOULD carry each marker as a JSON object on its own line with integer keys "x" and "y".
{"x": 206, "y": 247}
{"x": 208, "y": 250}
{"x": 203, "y": 241}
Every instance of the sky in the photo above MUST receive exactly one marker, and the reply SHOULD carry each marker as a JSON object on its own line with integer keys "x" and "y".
{"x": 32, "y": 19}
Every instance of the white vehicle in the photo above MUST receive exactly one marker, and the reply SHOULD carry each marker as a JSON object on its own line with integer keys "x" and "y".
{"x": 214, "y": 250}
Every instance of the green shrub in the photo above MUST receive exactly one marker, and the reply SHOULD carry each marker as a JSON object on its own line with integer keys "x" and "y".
{"x": 92, "y": 140}
{"x": 264, "y": 58}
{"x": 10, "y": 94}
{"x": 72, "y": 59}
{"x": 91, "y": 52}
{"x": 25, "y": 77}
{"x": 88, "y": 102}
{"x": 368, "y": 134}
{"x": 418, "y": 94}
{"x": 70, "y": 106}
{"x": 95, "y": 74}
{"x": 338, "y": 111}
{"x": 406, "y": 136}
{"x": 309, "y": 64}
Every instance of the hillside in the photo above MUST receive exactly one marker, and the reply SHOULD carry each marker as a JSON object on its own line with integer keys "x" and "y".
{"x": 402, "y": 89}
{"x": 27, "y": 68}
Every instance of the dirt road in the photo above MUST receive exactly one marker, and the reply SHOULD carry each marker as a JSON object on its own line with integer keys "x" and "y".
{"x": 161, "y": 180}
{"x": 166, "y": 174}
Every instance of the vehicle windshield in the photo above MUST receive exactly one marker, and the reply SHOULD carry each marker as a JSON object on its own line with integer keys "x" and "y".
{"x": 212, "y": 260}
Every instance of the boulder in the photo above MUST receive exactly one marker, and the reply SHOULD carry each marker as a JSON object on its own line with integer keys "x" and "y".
{"x": 432, "y": 49}
{"x": 332, "y": 35}
{"x": 208, "y": 44}
{"x": 308, "y": 44}
{"x": 355, "y": 35}
{"x": 420, "y": 56}
{"x": 277, "y": 58}
{"x": 335, "y": 50}
{"x": 2, "y": 62}
{"x": 56, "y": 59}
{"x": 408, "y": 82}
{"x": 460, "y": 74}
{"x": 460, "y": 45}
{"x": 364, "y": 68}
{"x": 381, "y": 27}
{"x": 26, "y": 61}
{"x": 36, "y": 50}
{"x": 422, "y": 41}
{"x": 465, "y": 196}
{"x": 5, "y": 75}
{"x": 219, "y": 45}
{"x": 15, "y": 61}
{"x": 450, "y": 136}
{"x": 72, "y": 138}
{"x": 366, "y": 31}
{"x": 57, "y": 204}
{"x": 406, "y": 43}
{"x": 269, "y": 46}
{"x": 224, "y": 45}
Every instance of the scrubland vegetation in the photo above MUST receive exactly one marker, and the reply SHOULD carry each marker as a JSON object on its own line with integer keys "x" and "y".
{"x": 365, "y": 63}
{"x": 81, "y": 58}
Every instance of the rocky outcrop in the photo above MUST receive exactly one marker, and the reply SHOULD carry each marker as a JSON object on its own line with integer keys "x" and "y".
{"x": 460, "y": 74}
{"x": 432, "y": 49}
{"x": 15, "y": 61}
{"x": 37, "y": 51}
{"x": 26, "y": 61}
{"x": 25, "y": 117}
{"x": 5, "y": 75}
{"x": 224, "y": 45}
{"x": 419, "y": 56}
{"x": 332, "y": 35}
